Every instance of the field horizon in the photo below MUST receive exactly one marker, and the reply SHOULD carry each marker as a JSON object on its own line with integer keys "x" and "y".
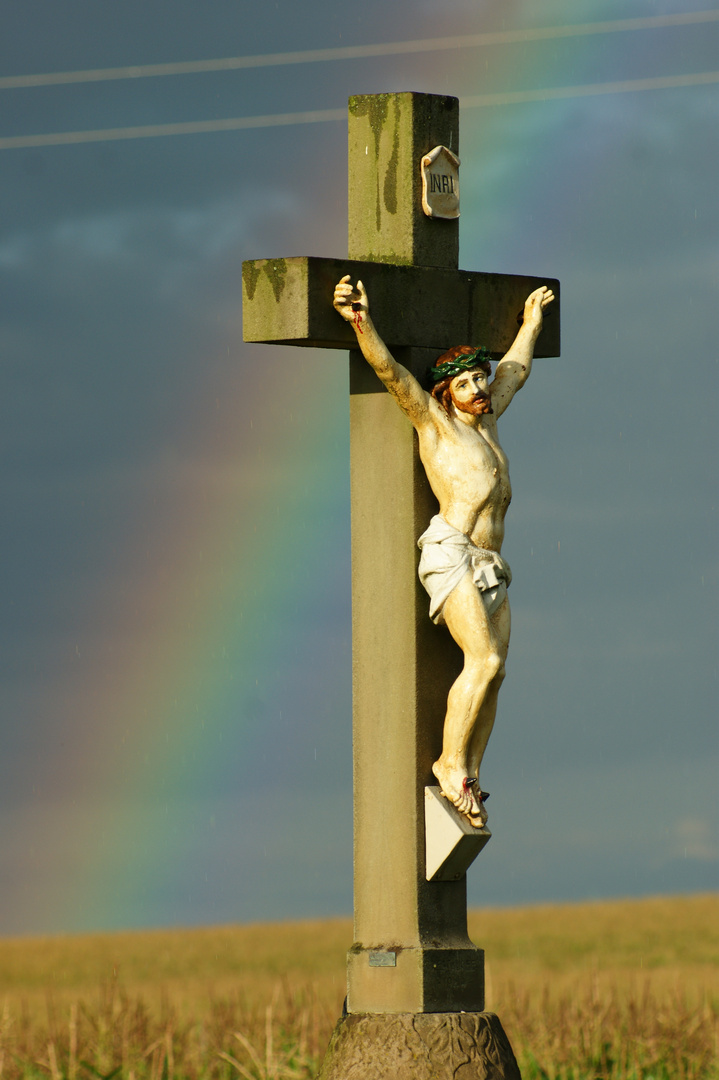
{"x": 624, "y": 989}
{"x": 646, "y": 936}
{"x": 548, "y": 905}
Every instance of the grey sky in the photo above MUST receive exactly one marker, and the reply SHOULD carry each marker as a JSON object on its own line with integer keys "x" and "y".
{"x": 127, "y": 408}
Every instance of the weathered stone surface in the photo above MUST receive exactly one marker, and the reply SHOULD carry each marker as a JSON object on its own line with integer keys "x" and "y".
{"x": 424, "y": 978}
{"x": 289, "y": 302}
{"x": 388, "y": 136}
{"x": 427, "y": 1046}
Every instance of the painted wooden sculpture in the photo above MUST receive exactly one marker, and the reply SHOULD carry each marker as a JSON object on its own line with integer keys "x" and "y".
{"x": 461, "y": 565}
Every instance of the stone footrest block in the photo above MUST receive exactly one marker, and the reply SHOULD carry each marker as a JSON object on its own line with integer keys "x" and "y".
{"x": 452, "y": 844}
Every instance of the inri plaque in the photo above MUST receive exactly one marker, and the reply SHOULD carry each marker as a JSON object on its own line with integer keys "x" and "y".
{"x": 440, "y": 183}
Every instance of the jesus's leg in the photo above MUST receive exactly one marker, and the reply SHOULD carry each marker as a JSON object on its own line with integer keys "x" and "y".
{"x": 500, "y": 621}
{"x": 484, "y": 654}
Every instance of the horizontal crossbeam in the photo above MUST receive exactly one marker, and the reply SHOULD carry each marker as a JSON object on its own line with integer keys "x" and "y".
{"x": 289, "y": 302}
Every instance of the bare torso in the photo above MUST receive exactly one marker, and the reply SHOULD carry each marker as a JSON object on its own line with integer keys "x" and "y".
{"x": 468, "y": 473}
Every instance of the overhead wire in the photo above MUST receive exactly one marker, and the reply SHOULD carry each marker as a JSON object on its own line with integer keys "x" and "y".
{"x": 238, "y": 123}
{"x": 358, "y": 52}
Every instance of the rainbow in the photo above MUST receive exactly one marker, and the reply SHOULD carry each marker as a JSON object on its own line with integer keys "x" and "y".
{"x": 178, "y": 713}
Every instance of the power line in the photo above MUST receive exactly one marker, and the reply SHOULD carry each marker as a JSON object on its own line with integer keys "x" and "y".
{"x": 662, "y": 82}
{"x": 192, "y": 127}
{"x": 198, "y": 127}
{"x": 357, "y": 52}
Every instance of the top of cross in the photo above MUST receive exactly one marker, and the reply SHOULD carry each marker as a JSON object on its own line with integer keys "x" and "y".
{"x": 407, "y": 259}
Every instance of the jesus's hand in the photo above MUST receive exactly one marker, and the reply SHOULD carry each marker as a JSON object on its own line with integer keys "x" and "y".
{"x": 351, "y": 302}
{"x": 534, "y": 306}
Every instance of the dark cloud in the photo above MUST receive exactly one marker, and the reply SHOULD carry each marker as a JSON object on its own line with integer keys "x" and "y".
{"x": 122, "y": 368}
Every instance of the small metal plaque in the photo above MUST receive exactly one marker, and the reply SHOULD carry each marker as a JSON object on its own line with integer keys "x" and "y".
{"x": 440, "y": 183}
{"x": 382, "y": 958}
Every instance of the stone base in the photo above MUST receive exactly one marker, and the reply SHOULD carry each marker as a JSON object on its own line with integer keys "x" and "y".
{"x": 419, "y": 1046}
{"x": 415, "y": 980}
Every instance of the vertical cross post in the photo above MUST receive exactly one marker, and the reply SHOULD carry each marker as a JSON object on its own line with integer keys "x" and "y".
{"x": 411, "y": 950}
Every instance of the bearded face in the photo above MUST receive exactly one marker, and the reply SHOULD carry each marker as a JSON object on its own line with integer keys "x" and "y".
{"x": 480, "y": 405}
{"x": 469, "y": 393}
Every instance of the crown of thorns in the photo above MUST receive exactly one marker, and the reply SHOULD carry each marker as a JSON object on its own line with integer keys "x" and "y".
{"x": 464, "y": 361}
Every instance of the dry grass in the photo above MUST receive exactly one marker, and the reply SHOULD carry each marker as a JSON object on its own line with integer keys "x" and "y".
{"x": 622, "y": 990}
{"x": 623, "y": 1036}
{"x": 120, "y": 1036}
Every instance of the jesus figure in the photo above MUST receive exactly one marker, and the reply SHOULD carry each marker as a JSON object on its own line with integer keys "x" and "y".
{"x": 461, "y": 565}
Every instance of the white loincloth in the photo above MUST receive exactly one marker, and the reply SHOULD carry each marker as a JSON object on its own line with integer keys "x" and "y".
{"x": 447, "y": 555}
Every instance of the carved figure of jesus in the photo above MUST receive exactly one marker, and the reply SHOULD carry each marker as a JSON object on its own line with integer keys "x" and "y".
{"x": 461, "y": 564}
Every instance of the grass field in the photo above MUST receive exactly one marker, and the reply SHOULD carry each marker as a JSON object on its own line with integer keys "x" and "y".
{"x": 621, "y": 989}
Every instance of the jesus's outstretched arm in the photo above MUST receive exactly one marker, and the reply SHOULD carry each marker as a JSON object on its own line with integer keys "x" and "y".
{"x": 352, "y": 304}
{"x": 514, "y": 367}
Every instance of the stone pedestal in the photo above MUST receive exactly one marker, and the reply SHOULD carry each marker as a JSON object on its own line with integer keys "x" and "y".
{"x": 420, "y": 1046}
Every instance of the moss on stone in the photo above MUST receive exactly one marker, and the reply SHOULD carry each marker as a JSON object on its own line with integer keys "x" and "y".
{"x": 276, "y": 272}
{"x": 250, "y": 277}
{"x": 375, "y": 107}
{"x": 390, "y": 176}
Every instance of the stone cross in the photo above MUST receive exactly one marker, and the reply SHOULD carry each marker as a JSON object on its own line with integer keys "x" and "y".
{"x": 411, "y": 953}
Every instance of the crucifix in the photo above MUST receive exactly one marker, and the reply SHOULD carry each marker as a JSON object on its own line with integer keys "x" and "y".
{"x": 412, "y": 966}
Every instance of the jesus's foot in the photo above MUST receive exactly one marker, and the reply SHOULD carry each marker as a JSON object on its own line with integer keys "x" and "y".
{"x": 479, "y": 818}
{"x": 462, "y": 791}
